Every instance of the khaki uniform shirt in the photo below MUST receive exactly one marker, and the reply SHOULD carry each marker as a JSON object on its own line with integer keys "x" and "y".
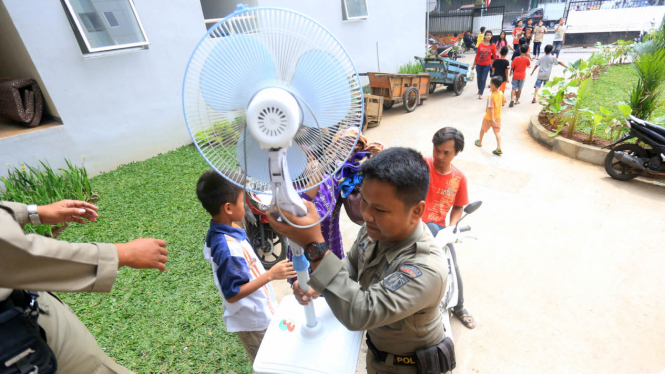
{"x": 397, "y": 294}
{"x": 37, "y": 263}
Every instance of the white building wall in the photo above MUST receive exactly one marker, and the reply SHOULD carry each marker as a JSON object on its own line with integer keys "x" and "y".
{"x": 116, "y": 108}
{"x": 397, "y": 25}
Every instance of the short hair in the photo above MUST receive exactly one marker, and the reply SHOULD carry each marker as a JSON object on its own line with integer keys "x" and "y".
{"x": 496, "y": 81}
{"x": 405, "y": 169}
{"x": 214, "y": 191}
{"x": 489, "y": 32}
{"x": 449, "y": 133}
{"x": 504, "y": 50}
{"x": 482, "y": 29}
{"x": 520, "y": 21}
{"x": 524, "y": 48}
{"x": 455, "y": 35}
{"x": 548, "y": 49}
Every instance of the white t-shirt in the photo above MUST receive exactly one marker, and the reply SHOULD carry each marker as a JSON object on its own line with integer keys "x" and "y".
{"x": 558, "y": 34}
{"x": 228, "y": 248}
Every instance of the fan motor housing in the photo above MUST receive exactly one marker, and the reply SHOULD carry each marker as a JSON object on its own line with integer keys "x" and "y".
{"x": 273, "y": 117}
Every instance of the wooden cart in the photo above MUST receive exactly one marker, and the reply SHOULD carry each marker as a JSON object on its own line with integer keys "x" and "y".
{"x": 373, "y": 111}
{"x": 409, "y": 88}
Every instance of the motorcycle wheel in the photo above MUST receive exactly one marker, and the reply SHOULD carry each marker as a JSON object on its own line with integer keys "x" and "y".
{"x": 272, "y": 251}
{"x": 618, "y": 170}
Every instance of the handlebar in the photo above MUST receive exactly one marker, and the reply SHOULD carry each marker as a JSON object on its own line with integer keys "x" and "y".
{"x": 465, "y": 229}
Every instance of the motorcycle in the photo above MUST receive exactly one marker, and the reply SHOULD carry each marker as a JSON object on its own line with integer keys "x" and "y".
{"x": 270, "y": 247}
{"x": 445, "y": 238}
{"x": 628, "y": 160}
{"x": 450, "y": 50}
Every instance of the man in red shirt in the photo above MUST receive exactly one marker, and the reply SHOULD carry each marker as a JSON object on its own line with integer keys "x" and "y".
{"x": 447, "y": 193}
{"x": 518, "y": 69}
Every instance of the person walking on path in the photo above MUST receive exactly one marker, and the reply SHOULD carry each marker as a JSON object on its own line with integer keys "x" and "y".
{"x": 518, "y": 70}
{"x": 559, "y": 36}
{"x": 528, "y": 30}
{"x": 492, "y": 117}
{"x": 485, "y": 54}
{"x": 517, "y": 34}
{"x": 538, "y": 35}
{"x": 503, "y": 42}
{"x": 501, "y": 68}
{"x": 45, "y": 265}
{"x": 480, "y": 39}
{"x": 546, "y": 63}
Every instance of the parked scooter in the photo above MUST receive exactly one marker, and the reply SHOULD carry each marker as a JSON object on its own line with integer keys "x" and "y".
{"x": 445, "y": 238}
{"x": 270, "y": 247}
{"x": 626, "y": 161}
{"x": 450, "y": 50}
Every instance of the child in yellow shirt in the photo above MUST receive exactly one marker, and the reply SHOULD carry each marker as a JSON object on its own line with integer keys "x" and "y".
{"x": 493, "y": 114}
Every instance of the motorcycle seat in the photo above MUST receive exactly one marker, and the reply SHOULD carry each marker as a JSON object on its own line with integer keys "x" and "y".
{"x": 658, "y": 129}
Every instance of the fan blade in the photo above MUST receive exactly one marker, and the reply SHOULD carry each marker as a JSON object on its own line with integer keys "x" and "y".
{"x": 321, "y": 82}
{"x": 257, "y": 158}
{"x": 236, "y": 67}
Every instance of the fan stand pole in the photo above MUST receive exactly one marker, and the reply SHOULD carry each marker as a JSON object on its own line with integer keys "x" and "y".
{"x": 301, "y": 266}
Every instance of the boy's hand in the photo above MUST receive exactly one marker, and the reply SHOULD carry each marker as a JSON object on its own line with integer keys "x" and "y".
{"x": 282, "y": 270}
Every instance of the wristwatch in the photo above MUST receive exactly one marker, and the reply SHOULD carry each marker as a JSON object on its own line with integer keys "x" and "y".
{"x": 32, "y": 214}
{"x": 314, "y": 251}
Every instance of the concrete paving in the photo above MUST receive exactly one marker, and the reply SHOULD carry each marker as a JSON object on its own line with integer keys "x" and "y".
{"x": 567, "y": 273}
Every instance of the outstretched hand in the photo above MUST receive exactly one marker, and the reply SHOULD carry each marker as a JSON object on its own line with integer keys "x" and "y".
{"x": 67, "y": 211}
{"x": 143, "y": 254}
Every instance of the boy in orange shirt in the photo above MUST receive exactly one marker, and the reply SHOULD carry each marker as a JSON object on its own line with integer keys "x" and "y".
{"x": 493, "y": 115}
{"x": 518, "y": 69}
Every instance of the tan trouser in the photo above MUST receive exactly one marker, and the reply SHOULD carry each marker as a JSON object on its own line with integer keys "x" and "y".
{"x": 74, "y": 346}
{"x": 251, "y": 340}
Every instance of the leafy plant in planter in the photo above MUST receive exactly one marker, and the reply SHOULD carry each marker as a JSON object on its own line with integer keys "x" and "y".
{"x": 646, "y": 95}
{"x": 622, "y": 51}
{"x": 613, "y": 121}
{"x": 578, "y": 70}
{"x": 576, "y": 114}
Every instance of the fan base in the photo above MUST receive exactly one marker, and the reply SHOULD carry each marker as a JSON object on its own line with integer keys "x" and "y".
{"x": 289, "y": 346}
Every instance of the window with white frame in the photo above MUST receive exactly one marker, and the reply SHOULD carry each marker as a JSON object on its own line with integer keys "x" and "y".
{"x": 354, "y": 9}
{"x": 105, "y": 25}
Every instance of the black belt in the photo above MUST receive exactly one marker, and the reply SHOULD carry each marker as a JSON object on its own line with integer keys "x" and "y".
{"x": 407, "y": 360}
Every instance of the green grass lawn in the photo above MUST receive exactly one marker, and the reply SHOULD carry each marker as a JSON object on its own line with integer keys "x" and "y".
{"x": 154, "y": 322}
{"x": 609, "y": 89}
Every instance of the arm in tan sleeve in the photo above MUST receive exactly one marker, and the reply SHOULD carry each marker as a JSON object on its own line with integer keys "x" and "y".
{"x": 19, "y": 210}
{"x": 38, "y": 263}
{"x": 396, "y": 297}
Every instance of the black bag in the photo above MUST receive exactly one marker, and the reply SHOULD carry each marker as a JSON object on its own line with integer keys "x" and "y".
{"x": 23, "y": 347}
{"x": 437, "y": 359}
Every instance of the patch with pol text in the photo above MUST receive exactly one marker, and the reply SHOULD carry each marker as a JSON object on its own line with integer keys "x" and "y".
{"x": 411, "y": 270}
{"x": 394, "y": 281}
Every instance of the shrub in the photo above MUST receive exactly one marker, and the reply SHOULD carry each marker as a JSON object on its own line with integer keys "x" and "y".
{"x": 411, "y": 68}
{"x": 646, "y": 94}
{"x": 42, "y": 185}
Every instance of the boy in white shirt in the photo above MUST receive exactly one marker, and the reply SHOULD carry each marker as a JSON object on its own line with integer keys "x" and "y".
{"x": 249, "y": 299}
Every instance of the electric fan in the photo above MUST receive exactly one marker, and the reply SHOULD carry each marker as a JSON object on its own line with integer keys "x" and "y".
{"x": 265, "y": 92}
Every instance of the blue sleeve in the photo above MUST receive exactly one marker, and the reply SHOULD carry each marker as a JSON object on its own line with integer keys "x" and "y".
{"x": 232, "y": 271}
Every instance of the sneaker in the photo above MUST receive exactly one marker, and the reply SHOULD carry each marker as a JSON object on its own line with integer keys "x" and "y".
{"x": 533, "y": 101}
{"x": 512, "y": 103}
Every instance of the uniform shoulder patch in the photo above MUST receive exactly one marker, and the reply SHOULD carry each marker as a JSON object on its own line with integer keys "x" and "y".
{"x": 411, "y": 270}
{"x": 394, "y": 281}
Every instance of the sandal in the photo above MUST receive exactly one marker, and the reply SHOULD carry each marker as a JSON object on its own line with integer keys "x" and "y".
{"x": 466, "y": 319}
{"x": 497, "y": 152}
{"x": 477, "y": 143}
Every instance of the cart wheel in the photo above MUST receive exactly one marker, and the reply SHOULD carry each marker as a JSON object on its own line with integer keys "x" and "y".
{"x": 388, "y": 104}
{"x": 432, "y": 87}
{"x": 458, "y": 84}
{"x": 411, "y": 99}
